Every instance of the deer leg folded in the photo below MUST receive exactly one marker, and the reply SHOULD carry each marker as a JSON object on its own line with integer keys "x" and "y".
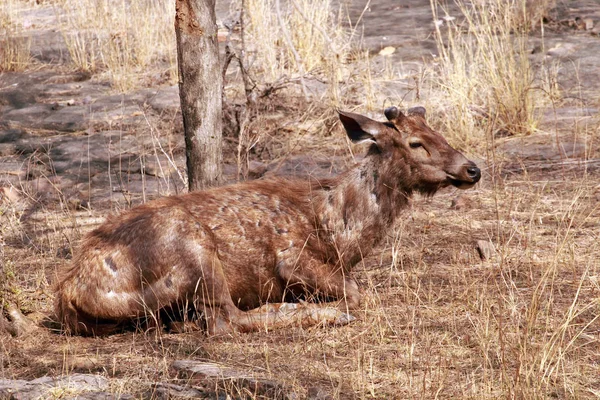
{"x": 275, "y": 316}
{"x": 323, "y": 279}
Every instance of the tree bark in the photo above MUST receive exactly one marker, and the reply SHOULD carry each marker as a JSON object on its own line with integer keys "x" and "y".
{"x": 200, "y": 90}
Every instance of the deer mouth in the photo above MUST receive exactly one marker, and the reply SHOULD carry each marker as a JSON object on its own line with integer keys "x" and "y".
{"x": 471, "y": 173}
{"x": 460, "y": 183}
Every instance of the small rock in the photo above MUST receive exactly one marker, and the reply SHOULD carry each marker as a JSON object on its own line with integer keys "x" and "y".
{"x": 77, "y": 203}
{"x": 387, "y": 51}
{"x": 561, "y": 50}
{"x": 9, "y": 194}
{"x": 486, "y": 249}
{"x": 256, "y": 169}
{"x": 460, "y": 202}
{"x": 154, "y": 170}
{"x": 223, "y": 376}
{"x": 82, "y": 387}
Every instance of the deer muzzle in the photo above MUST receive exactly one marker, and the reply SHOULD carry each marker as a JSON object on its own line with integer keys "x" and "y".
{"x": 467, "y": 176}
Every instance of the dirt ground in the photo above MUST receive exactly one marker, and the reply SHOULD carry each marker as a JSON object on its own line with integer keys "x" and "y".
{"x": 438, "y": 320}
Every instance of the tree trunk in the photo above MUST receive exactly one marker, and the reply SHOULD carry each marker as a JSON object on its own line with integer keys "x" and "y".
{"x": 200, "y": 90}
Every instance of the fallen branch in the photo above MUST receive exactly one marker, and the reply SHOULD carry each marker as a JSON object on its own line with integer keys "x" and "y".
{"x": 229, "y": 379}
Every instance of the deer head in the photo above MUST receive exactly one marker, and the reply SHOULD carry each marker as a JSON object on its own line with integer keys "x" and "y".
{"x": 410, "y": 152}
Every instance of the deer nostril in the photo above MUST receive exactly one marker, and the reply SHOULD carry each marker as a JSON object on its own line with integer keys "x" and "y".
{"x": 474, "y": 173}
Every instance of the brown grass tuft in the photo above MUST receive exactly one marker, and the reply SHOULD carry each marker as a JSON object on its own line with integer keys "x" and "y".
{"x": 485, "y": 79}
{"x": 14, "y": 44}
{"x": 121, "y": 39}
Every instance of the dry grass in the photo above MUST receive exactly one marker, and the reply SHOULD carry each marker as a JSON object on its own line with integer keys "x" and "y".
{"x": 303, "y": 39}
{"x": 436, "y": 320}
{"x": 488, "y": 84}
{"x": 121, "y": 39}
{"x": 485, "y": 66}
{"x": 14, "y": 45}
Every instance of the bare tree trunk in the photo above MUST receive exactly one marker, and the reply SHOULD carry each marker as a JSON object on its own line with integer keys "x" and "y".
{"x": 200, "y": 90}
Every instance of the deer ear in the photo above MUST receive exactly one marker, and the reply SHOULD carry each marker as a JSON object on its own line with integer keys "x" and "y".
{"x": 360, "y": 128}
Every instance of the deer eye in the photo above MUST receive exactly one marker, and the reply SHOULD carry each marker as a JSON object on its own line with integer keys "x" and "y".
{"x": 415, "y": 145}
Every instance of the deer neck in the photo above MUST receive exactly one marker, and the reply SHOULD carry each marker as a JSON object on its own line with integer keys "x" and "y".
{"x": 360, "y": 205}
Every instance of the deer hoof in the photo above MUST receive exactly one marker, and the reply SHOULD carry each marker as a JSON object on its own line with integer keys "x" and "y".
{"x": 344, "y": 319}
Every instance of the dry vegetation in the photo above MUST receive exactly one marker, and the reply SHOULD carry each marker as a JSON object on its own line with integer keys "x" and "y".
{"x": 120, "y": 38}
{"x": 437, "y": 321}
{"x": 14, "y": 47}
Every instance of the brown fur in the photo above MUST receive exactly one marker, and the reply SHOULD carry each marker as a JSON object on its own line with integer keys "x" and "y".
{"x": 231, "y": 249}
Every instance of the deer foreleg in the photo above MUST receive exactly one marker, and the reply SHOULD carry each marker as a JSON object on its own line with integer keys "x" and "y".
{"x": 277, "y": 316}
{"x": 223, "y": 316}
{"x": 322, "y": 279}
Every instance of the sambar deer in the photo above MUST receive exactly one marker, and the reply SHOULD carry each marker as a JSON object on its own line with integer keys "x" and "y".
{"x": 240, "y": 254}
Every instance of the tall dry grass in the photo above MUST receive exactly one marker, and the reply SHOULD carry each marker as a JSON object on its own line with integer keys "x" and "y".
{"x": 535, "y": 321}
{"x": 486, "y": 82}
{"x": 121, "y": 39}
{"x": 296, "y": 40}
{"x": 14, "y": 44}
